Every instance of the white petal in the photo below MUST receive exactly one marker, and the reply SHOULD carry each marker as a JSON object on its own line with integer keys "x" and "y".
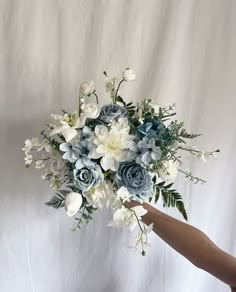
{"x": 69, "y": 134}
{"x": 58, "y": 130}
{"x": 73, "y": 202}
{"x": 107, "y": 163}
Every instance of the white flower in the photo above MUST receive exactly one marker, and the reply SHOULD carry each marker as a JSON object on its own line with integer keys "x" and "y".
{"x": 170, "y": 171}
{"x": 155, "y": 106}
{"x": 28, "y": 159}
{"x": 102, "y": 196}
{"x": 129, "y": 75}
{"x": 111, "y": 146}
{"x": 121, "y": 124}
{"x": 86, "y": 88}
{"x": 123, "y": 194}
{"x": 29, "y": 144}
{"x": 128, "y": 217}
{"x": 90, "y": 111}
{"x": 68, "y": 125}
{"x": 73, "y": 202}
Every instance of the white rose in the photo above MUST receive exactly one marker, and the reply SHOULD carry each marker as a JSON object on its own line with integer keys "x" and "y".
{"x": 171, "y": 168}
{"x": 91, "y": 110}
{"x": 129, "y": 75}
{"x": 73, "y": 202}
{"x": 86, "y": 88}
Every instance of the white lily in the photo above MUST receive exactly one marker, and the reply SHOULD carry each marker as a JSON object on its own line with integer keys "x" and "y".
{"x": 68, "y": 125}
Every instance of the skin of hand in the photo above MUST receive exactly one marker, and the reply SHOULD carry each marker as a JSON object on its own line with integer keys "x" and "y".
{"x": 192, "y": 243}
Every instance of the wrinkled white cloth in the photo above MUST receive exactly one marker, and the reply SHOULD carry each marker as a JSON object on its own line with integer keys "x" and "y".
{"x": 183, "y": 52}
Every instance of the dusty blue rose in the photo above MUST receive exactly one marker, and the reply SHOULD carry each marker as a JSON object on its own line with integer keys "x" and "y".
{"x": 112, "y": 111}
{"x": 135, "y": 178}
{"x": 88, "y": 176}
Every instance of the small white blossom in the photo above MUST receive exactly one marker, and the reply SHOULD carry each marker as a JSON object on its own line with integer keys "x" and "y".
{"x": 129, "y": 75}
{"x": 124, "y": 217}
{"x": 73, "y": 202}
{"x": 28, "y": 159}
{"x": 86, "y": 88}
{"x": 170, "y": 170}
{"x": 123, "y": 194}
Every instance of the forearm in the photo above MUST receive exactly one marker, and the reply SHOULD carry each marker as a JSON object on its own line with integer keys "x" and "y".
{"x": 192, "y": 244}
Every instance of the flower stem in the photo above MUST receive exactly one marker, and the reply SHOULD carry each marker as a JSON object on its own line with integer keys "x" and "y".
{"x": 118, "y": 87}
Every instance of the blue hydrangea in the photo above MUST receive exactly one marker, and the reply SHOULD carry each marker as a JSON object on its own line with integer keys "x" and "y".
{"x": 151, "y": 129}
{"x": 112, "y": 111}
{"x": 135, "y": 178}
{"x": 145, "y": 151}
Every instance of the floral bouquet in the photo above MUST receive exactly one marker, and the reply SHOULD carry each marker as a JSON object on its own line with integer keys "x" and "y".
{"x": 101, "y": 157}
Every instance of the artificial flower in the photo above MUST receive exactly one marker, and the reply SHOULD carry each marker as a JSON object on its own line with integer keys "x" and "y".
{"x": 111, "y": 146}
{"x": 86, "y": 88}
{"x": 129, "y": 75}
{"x": 73, "y": 202}
{"x": 68, "y": 125}
{"x": 135, "y": 178}
{"x": 111, "y": 112}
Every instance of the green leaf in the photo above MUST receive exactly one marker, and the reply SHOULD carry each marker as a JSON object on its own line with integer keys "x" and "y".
{"x": 56, "y": 202}
{"x": 170, "y": 197}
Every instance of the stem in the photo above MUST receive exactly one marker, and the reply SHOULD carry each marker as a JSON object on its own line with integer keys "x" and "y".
{"x": 118, "y": 87}
{"x": 142, "y": 231}
{"x": 95, "y": 96}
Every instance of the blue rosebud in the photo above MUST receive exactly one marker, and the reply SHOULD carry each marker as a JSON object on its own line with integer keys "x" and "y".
{"x": 135, "y": 178}
{"x": 112, "y": 111}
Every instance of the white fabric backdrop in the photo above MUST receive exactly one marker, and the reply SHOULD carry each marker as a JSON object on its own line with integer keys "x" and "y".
{"x": 184, "y": 52}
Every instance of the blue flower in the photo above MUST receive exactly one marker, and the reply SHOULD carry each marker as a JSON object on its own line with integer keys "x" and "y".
{"x": 72, "y": 151}
{"x": 145, "y": 151}
{"x": 77, "y": 152}
{"x": 90, "y": 175}
{"x": 150, "y": 129}
{"x": 112, "y": 111}
{"x": 135, "y": 178}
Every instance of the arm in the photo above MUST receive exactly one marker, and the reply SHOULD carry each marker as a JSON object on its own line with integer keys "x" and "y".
{"x": 192, "y": 244}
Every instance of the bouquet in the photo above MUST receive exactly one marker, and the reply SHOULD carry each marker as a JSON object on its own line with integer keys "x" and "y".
{"x": 101, "y": 157}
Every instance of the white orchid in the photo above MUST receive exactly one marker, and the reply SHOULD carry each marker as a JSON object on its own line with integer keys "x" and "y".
{"x": 73, "y": 202}
{"x": 111, "y": 146}
{"x": 124, "y": 217}
{"x": 123, "y": 194}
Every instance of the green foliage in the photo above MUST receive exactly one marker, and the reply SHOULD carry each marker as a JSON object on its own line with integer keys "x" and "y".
{"x": 179, "y": 133}
{"x": 85, "y": 215}
{"x": 170, "y": 197}
{"x": 57, "y": 201}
